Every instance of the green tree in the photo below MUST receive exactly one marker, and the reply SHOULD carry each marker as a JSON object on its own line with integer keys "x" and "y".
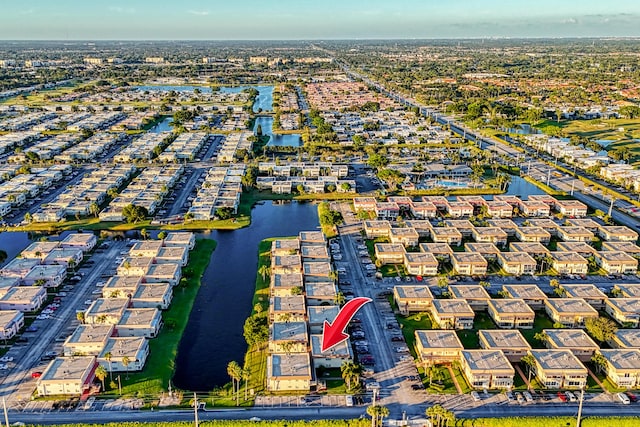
{"x": 600, "y": 328}
{"x": 134, "y": 214}
{"x": 256, "y": 329}
{"x": 599, "y": 361}
{"x": 144, "y": 233}
{"x": 101, "y": 374}
{"x": 80, "y": 316}
{"x": 224, "y": 213}
{"x": 377, "y": 161}
{"x": 235, "y": 372}
{"x": 377, "y": 413}
{"x": 108, "y": 357}
{"x": 94, "y": 209}
{"x": 351, "y": 372}
{"x": 264, "y": 271}
{"x": 162, "y": 235}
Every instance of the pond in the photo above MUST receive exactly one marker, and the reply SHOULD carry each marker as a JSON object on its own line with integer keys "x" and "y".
{"x": 279, "y": 140}
{"x": 213, "y": 336}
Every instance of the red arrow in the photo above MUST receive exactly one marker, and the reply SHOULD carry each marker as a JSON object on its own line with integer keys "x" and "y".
{"x": 333, "y": 333}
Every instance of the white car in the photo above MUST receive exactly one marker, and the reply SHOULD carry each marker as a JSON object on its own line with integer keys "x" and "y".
{"x": 5, "y": 359}
{"x": 623, "y": 398}
{"x": 475, "y": 396}
{"x": 88, "y": 302}
{"x": 4, "y": 367}
{"x": 527, "y": 396}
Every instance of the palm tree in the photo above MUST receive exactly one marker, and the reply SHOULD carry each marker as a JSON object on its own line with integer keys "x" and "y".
{"x": 440, "y": 416}
{"x": 235, "y": 372}
{"x": 530, "y": 361}
{"x": 162, "y": 235}
{"x": 351, "y": 374}
{"x": 94, "y": 209}
{"x": 107, "y": 357}
{"x": 541, "y": 336}
{"x": 599, "y": 361}
{"x": 377, "y": 413}
{"x": 101, "y": 374}
{"x": 125, "y": 363}
{"x": 144, "y": 233}
{"x": 340, "y": 298}
{"x": 80, "y": 316}
{"x": 264, "y": 271}
{"x": 246, "y": 374}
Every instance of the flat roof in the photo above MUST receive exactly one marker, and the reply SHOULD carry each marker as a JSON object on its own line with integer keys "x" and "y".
{"x": 68, "y": 368}
{"x": 583, "y": 291}
{"x": 533, "y": 231}
{"x": 570, "y": 338}
{"x": 139, "y": 316}
{"x": 289, "y": 303}
{"x": 314, "y": 251}
{"x": 511, "y": 306}
{"x": 389, "y": 248}
{"x": 288, "y": 280}
{"x": 320, "y": 289}
{"x": 632, "y": 290}
{"x": 468, "y": 257}
{"x": 490, "y": 231}
{"x": 108, "y": 306}
{"x": 436, "y": 248}
{"x": 469, "y": 292}
{"x": 629, "y": 338}
{"x": 525, "y": 291}
{"x": 163, "y": 270}
{"x": 453, "y": 306}
{"x": 438, "y": 339}
{"x": 623, "y": 246}
{"x": 289, "y": 331}
{"x": 481, "y": 248}
{"x": 558, "y": 360}
{"x": 528, "y": 247}
{"x": 318, "y": 314}
{"x": 517, "y": 257}
{"x": 120, "y": 347}
{"x": 446, "y": 231}
{"x": 317, "y": 268}
{"x": 487, "y": 360}
{"x": 290, "y": 365}
{"x": 627, "y": 306}
{"x": 421, "y": 258}
{"x": 572, "y": 257}
{"x": 620, "y": 230}
{"x": 413, "y": 292}
{"x": 502, "y": 223}
{"x": 574, "y": 230}
{"x": 623, "y": 358}
{"x": 617, "y": 256}
{"x": 90, "y": 333}
{"x": 405, "y": 231}
{"x": 504, "y": 339}
{"x": 575, "y": 247}
{"x": 285, "y": 245}
{"x": 341, "y": 350}
{"x": 571, "y": 305}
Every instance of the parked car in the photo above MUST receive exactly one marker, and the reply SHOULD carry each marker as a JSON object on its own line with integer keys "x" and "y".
{"x": 475, "y": 396}
{"x": 527, "y": 396}
{"x": 572, "y": 397}
{"x": 622, "y": 397}
{"x": 36, "y": 374}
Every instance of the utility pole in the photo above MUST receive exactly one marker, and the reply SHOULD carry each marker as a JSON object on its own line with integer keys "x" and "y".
{"x": 374, "y": 416}
{"x": 580, "y": 407}
{"x": 548, "y": 176}
{"x": 573, "y": 184}
{"x": 6, "y": 415}
{"x": 195, "y": 409}
{"x": 610, "y": 206}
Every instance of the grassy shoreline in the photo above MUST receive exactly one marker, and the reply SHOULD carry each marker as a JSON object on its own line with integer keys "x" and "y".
{"x": 160, "y": 366}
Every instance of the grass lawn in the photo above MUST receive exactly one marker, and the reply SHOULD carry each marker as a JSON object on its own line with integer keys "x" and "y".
{"x": 412, "y": 323}
{"x": 255, "y": 360}
{"x": 462, "y": 381}
{"x": 160, "y": 365}
{"x": 541, "y": 322}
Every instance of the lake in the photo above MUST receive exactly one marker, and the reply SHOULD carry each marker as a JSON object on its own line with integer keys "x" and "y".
{"x": 213, "y": 336}
{"x": 284, "y": 140}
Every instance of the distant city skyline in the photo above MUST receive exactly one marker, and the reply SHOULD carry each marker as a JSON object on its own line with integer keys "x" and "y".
{"x": 313, "y": 19}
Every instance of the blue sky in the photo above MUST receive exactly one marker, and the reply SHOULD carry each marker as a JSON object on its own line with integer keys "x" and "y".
{"x": 315, "y": 19}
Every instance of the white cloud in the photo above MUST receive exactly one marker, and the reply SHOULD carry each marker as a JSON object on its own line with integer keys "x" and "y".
{"x": 198, "y": 12}
{"x": 569, "y": 21}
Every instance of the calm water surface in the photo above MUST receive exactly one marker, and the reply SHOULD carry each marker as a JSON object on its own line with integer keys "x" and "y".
{"x": 213, "y": 336}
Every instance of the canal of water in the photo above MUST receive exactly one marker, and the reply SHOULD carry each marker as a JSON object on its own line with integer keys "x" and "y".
{"x": 213, "y": 336}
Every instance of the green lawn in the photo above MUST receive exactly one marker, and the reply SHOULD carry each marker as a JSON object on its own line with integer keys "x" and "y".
{"x": 541, "y": 322}
{"x": 412, "y": 323}
{"x": 160, "y": 365}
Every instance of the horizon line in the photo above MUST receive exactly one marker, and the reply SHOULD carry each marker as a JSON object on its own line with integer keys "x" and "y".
{"x": 333, "y": 39}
